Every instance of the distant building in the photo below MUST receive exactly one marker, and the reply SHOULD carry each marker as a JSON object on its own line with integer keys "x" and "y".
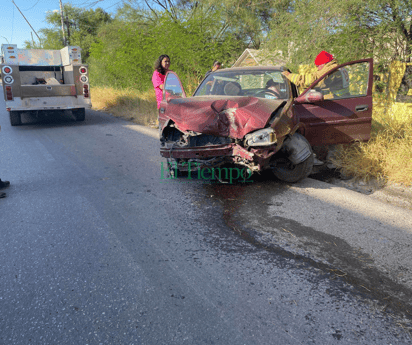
{"x": 259, "y": 57}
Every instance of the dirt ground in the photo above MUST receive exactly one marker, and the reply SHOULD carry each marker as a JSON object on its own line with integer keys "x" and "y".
{"x": 394, "y": 194}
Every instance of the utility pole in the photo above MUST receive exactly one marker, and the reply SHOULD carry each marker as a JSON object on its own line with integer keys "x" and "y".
{"x": 68, "y": 23}
{"x": 27, "y": 20}
{"x": 62, "y": 19}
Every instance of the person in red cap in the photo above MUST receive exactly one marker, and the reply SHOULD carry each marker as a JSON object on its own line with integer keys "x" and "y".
{"x": 324, "y": 62}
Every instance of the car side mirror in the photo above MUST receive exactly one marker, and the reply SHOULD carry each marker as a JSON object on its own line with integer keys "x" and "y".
{"x": 310, "y": 97}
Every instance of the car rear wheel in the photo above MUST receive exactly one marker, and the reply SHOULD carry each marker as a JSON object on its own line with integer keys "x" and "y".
{"x": 286, "y": 171}
{"x": 15, "y": 118}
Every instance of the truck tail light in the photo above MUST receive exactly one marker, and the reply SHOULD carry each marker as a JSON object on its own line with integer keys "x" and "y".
{"x": 86, "y": 91}
{"x": 7, "y": 70}
{"x": 9, "y": 94}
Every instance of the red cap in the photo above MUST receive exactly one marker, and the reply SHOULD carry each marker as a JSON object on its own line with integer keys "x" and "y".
{"x": 323, "y": 57}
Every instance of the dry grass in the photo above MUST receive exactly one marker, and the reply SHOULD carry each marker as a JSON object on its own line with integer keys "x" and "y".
{"x": 388, "y": 155}
{"x": 139, "y": 107}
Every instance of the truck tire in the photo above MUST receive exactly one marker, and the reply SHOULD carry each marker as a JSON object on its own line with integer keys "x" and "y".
{"x": 15, "y": 118}
{"x": 79, "y": 114}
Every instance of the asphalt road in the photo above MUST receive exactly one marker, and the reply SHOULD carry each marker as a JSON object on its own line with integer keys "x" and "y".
{"x": 99, "y": 248}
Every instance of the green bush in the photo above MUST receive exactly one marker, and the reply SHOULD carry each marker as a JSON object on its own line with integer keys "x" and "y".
{"x": 125, "y": 53}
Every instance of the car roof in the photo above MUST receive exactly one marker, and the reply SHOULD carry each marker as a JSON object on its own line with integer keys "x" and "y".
{"x": 251, "y": 68}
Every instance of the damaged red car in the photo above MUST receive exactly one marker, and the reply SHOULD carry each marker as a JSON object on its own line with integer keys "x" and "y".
{"x": 255, "y": 118}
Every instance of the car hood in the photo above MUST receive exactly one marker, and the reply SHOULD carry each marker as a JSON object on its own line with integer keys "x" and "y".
{"x": 229, "y": 117}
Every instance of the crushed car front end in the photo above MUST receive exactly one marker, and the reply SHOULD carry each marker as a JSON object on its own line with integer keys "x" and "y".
{"x": 237, "y": 116}
{"x": 246, "y": 132}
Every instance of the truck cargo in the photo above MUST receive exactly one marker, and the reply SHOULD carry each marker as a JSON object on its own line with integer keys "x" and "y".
{"x": 41, "y": 82}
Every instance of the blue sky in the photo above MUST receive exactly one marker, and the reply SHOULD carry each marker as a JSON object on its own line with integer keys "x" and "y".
{"x": 14, "y": 29}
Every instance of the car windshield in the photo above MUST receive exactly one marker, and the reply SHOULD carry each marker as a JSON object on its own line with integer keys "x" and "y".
{"x": 268, "y": 84}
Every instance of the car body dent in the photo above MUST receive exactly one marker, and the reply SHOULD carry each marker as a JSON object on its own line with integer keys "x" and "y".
{"x": 232, "y": 117}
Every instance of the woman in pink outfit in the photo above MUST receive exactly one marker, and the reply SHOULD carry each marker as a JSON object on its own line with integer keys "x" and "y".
{"x": 162, "y": 65}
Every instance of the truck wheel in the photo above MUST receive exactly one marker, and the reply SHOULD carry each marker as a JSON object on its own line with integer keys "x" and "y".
{"x": 79, "y": 114}
{"x": 15, "y": 118}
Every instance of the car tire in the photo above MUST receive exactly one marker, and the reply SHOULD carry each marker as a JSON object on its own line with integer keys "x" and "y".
{"x": 288, "y": 172}
{"x": 79, "y": 114}
{"x": 15, "y": 118}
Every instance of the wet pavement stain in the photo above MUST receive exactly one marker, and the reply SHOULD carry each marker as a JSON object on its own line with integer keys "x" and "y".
{"x": 333, "y": 257}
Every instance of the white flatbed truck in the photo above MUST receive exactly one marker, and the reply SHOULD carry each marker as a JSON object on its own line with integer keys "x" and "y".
{"x": 42, "y": 82}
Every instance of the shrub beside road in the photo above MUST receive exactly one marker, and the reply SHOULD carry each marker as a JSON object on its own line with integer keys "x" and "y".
{"x": 387, "y": 156}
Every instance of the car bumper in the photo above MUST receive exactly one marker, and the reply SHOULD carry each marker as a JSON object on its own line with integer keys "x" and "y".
{"x": 202, "y": 152}
{"x": 215, "y": 155}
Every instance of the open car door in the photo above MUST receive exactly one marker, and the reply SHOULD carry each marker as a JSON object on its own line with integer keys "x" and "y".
{"x": 340, "y": 110}
{"x": 172, "y": 90}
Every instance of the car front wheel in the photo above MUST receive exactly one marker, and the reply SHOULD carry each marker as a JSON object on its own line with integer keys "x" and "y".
{"x": 286, "y": 171}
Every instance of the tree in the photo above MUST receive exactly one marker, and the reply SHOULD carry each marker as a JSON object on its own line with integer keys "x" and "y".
{"x": 349, "y": 29}
{"x": 247, "y": 20}
{"x": 127, "y": 48}
{"x": 81, "y": 25}
{"x": 386, "y": 24}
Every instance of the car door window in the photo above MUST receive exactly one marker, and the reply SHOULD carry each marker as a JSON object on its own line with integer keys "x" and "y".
{"x": 343, "y": 113}
{"x": 346, "y": 82}
{"x": 173, "y": 88}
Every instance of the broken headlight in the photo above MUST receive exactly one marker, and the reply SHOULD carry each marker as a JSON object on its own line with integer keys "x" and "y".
{"x": 262, "y": 137}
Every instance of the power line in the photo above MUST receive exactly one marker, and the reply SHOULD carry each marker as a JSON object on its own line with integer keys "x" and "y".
{"x": 114, "y": 4}
{"x": 95, "y": 3}
{"x": 32, "y": 6}
{"x": 83, "y": 3}
{"x": 25, "y": 19}
{"x": 92, "y": 3}
{"x": 88, "y": 3}
{"x": 5, "y": 39}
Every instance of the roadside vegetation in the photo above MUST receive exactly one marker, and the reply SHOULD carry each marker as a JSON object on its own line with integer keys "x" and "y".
{"x": 139, "y": 107}
{"x": 387, "y": 157}
{"x": 121, "y": 48}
